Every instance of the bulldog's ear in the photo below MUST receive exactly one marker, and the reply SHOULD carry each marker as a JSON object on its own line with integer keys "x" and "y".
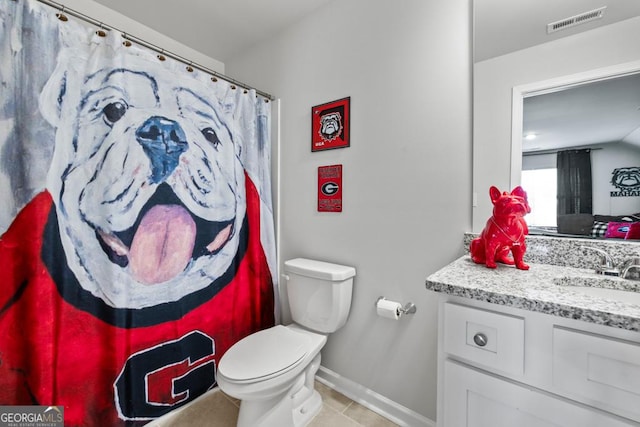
{"x": 494, "y": 193}
{"x": 519, "y": 191}
{"x": 50, "y": 100}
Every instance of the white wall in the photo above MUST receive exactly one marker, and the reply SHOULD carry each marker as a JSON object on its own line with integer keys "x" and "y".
{"x": 495, "y": 78}
{"x": 123, "y": 23}
{"x": 407, "y": 175}
{"x": 603, "y": 162}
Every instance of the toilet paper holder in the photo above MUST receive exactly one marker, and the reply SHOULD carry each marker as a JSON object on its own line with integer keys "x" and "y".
{"x": 408, "y": 308}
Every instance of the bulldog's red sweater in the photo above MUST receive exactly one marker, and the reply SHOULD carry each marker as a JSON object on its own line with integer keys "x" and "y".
{"x": 54, "y": 353}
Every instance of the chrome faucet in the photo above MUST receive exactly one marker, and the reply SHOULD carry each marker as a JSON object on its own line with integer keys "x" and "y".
{"x": 630, "y": 264}
{"x": 606, "y": 267}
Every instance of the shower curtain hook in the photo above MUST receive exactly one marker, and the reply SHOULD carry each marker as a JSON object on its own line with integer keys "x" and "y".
{"x": 189, "y": 67}
{"x": 100, "y": 32}
{"x": 126, "y": 41}
{"x": 161, "y": 56}
{"x": 61, "y": 16}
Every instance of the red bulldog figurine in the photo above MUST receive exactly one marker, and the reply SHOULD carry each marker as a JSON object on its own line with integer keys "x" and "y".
{"x": 505, "y": 231}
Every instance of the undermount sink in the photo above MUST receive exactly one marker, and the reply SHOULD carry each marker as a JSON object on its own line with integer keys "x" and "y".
{"x": 628, "y": 297}
{"x": 622, "y": 290}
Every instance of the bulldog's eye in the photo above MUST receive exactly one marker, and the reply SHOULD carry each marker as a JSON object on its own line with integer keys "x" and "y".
{"x": 114, "y": 112}
{"x": 210, "y": 135}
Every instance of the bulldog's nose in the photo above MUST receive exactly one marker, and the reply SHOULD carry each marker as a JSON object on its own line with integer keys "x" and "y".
{"x": 163, "y": 141}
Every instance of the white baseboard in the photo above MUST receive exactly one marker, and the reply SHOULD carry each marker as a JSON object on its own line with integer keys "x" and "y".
{"x": 372, "y": 400}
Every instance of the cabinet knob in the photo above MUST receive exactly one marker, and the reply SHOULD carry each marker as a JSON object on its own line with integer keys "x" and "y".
{"x": 480, "y": 339}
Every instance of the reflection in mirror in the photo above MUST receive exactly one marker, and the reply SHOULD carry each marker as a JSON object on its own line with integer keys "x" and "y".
{"x": 512, "y": 50}
{"x": 581, "y": 158}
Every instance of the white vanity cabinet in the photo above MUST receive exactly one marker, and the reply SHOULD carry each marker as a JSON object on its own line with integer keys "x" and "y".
{"x": 505, "y": 367}
{"x": 478, "y": 399}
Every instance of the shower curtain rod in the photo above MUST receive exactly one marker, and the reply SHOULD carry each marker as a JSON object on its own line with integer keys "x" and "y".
{"x": 190, "y": 64}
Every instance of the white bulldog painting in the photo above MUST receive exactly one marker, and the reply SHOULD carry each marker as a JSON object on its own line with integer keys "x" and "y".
{"x": 147, "y": 251}
{"x": 148, "y": 179}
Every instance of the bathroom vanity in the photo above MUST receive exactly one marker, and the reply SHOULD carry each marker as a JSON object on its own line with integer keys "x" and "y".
{"x": 556, "y": 345}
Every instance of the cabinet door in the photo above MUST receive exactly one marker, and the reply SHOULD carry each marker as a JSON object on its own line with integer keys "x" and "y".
{"x": 476, "y": 399}
{"x": 599, "y": 370}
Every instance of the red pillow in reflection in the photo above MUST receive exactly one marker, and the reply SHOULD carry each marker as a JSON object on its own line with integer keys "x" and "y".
{"x": 634, "y": 231}
{"x": 617, "y": 230}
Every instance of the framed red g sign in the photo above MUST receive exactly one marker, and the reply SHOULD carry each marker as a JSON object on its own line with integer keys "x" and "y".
{"x": 330, "y": 188}
{"x": 330, "y": 125}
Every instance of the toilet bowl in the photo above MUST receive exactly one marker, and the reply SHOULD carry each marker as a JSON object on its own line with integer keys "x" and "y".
{"x": 273, "y": 371}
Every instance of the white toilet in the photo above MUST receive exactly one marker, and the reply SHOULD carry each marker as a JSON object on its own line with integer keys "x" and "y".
{"x": 273, "y": 371}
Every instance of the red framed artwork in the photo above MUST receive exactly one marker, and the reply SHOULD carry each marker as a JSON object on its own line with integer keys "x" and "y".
{"x": 330, "y": 125}
{"x": 330, "y": 188}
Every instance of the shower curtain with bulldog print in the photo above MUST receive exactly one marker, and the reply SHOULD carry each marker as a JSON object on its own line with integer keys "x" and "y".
{"x": 136, "y": 224}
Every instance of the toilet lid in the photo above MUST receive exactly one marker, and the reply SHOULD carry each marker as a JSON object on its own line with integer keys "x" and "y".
{"x": 264, "y": 354}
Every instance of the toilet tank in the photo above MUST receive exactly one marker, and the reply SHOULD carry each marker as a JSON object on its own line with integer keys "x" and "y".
{"x": 319, "y": 293}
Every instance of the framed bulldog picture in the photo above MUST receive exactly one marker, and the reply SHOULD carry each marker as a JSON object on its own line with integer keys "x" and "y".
{"x": 330, "y": 125}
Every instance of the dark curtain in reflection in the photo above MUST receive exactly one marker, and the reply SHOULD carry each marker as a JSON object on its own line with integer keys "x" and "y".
{"x": 574, "y": 182}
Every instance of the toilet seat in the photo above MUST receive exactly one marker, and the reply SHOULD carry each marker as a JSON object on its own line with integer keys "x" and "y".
{"x": 264, "y": 354}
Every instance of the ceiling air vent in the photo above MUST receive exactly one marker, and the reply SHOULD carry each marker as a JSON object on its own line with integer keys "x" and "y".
{"x": 575, "y": 20}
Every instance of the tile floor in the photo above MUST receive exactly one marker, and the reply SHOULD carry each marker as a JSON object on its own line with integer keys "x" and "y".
{"x": 220, "y": 410}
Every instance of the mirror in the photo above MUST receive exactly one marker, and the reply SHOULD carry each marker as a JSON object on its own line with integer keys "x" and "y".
{"x": 505, "y": 82}
{"x": 598, "y": 119}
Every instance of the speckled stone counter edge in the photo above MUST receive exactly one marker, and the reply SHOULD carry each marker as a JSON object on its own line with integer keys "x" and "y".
{"x": 542, "y": 288}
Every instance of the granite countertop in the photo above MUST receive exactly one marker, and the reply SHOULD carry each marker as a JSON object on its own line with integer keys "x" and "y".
{"x": 539, "y": 289}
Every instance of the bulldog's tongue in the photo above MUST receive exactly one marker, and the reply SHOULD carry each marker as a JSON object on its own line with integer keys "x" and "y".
{"x": 163, "y": 244}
